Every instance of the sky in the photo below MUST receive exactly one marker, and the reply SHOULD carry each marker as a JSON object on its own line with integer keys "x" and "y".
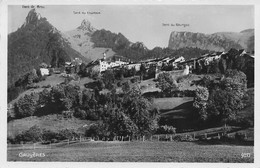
{"x": 150, "y": 24}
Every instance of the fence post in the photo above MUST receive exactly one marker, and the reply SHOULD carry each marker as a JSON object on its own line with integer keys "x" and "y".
{"x": 245, "y": 136}
{"x": 33, "y": 145}
{"x": 158, "y": 138}
{"x": 194, "y": 137}
{"x": 143, "y": 138}
{"x": 206, "y": 135}
{"x": 171, "y": 138}
{"x": 218, "y": 136}
{"x": 80, "y": 138}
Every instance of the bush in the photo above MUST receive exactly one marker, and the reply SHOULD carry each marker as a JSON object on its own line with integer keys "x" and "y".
{"x": 32, "y": 86}
{"x": 165, "y": 129}
{"x": 119, "y": 84}
{"x": 46, "y": 86}
{"x": 11, "y": 140}
{"x": 135, "y": 79}
{"x": 34, "y": 134}
{"x": 67, "y": 114}
{"x": 182, "y": 138}
{"x": 67, "y": 134}
{"x": 80, "y": 114}
{"x": 240, "y": 136}
{"x": 48, "y": 135}
{"x": 126, "y": 87}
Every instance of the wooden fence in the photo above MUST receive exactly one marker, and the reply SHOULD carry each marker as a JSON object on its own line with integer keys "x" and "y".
{"x": 191, "y": 136}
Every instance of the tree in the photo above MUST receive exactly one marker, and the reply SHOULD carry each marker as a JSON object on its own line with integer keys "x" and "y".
{"x": 235, "y": 81}
{"x": 200, "y": 102}
{"x": 166, "y": 83}
{"x": 44, "y": 102}
{"x": 27, "y": 105}
{"x": 140, "y": 111}
{"x": 213, "y": 67}
{"x": 151, "y": 72}
{"x": 82, "y": 70}
{"x": 108, "y": 79}
{"x": 126, "y": 87}
{"x": 32, "y": 77}
{"x": 222, "y": 65}
{"x": 33, "y": 134}
{"x": 57, "y": 97}
{"x": 142, "y": 71}
{"x": 132, "y": 71}
{"x": 222, "y": 103}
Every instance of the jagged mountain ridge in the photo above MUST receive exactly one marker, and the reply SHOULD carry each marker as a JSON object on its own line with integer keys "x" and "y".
{"x": 80, "y": 40}
{"x": 36, "y": 41}
{"x": 92, "y": 43}
{"x": 220, "y": 41}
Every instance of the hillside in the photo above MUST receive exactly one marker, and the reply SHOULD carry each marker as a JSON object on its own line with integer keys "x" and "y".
{"x": 221, "y": 41}
{"x": 36, "y": 41}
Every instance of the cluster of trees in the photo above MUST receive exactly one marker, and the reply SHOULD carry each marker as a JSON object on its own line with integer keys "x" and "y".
{"x": 167, "y": 84}
{"x": 230, "y": 60}
{"x": 25, "y": 82}
{"x": 217, "y": 102}
{"x": 129, "y": 115}
{"x": 119, "y": 114}
{"x": 37, "y": 134}
{"x": 60, "y": 98}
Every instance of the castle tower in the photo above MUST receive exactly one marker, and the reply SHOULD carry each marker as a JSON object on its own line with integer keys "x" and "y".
{"x": 104, "y": 55}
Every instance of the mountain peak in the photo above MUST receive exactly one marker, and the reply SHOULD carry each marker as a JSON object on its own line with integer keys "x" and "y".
{"x": 248, "y": 31}
{"x": 86, "y": 25}
{"x": 32, "y": 18}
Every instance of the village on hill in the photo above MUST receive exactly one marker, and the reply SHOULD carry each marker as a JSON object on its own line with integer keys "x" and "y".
{"x": 166, "y": 64}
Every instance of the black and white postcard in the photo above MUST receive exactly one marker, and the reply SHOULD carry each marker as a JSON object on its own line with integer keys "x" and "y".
{"x": 129, "y": 82}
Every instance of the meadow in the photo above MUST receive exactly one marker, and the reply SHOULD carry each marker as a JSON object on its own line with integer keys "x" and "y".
{"x": 137, "y": 151}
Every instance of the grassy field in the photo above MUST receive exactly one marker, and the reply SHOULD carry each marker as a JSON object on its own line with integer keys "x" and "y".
{"x": 49, "y": 122}
{"x": 139, "y": 152}
{"x": 172, "y": 103}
